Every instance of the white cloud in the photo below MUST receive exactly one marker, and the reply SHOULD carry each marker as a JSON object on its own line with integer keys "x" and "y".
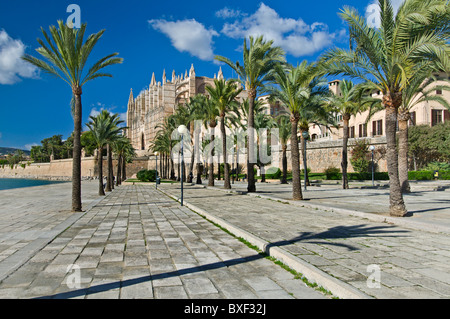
{"x": 188, "y": 36}
{"x": 227, "y": 13}
{"x": 12, "y": 67}
{"x": 28, "y": 146}
{"x": 373, "y": 12}
{"x": 294, "y": 35}
{"x": 96, "y": 111}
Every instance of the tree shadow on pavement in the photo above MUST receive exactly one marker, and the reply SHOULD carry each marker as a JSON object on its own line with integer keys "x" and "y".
{"x": 322, "y": 238}
{"x": 340, "y": 232}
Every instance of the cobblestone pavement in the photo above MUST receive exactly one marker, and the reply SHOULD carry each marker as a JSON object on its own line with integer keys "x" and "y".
{"x": 139, "y": 243}
{"x": 379, "y": 259}
{"x": 428, "y": 203}
{"x": 30, "y": 217}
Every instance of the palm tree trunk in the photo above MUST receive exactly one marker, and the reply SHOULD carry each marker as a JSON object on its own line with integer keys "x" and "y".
{"x": 109, "y": 169}
{"x": 199, "y": 174}
{"x": 403, "y": 118}
{"x": 101, "y": 191}
{"x": 172, "y": 169}
{"x": 251, "y": 187}
{"x": 344, "y": 162}
{"x": 284, "y": 162}
{"x": 119, "y": 170}
{"x": 296, "y": 183}
{"x": 226, "y": 171}
{"x": 211, "y": 161}
{"x": 191, "y": 164}
{"x": 397, "y": 205}
{"x": 303, "y": 150}
{"x": 124, "y": 169}
{"x": 76, "y": 166}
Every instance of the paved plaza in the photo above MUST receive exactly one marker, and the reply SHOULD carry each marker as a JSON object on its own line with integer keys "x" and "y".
{"x": 139, "y": 242}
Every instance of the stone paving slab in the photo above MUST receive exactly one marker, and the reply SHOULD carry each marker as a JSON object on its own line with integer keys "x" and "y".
{"x": 138, "y": 243}
{"x": 31, "y": 217}
{"x": 380, "y": 260}
{"x": 427, "y": 207}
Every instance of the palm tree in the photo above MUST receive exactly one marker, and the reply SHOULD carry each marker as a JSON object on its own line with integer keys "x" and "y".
{"x": 313, "y": 110}
{"x": 210, "y": 113}
{"x": 182, "y": 116}
{"x": 104, "y": 129}
{"x": 163, "y": 143}
{"x": 263, "y": 121}
{"x": 350, "y": 102}
{"x": 284, "y": 130}
{"x": 295, "y": 87}
{"x": 121, "y": 146}
{"x": 413, "y": 41}
{"x": 223, "y": 95}
{"x": 259, "y": 59}
{"x": 421, "y": 89}
{"x": 66, "y": 56}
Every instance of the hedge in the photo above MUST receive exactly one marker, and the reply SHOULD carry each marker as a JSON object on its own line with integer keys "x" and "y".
{"x": 146, "y": 175}
{"x": 427, "y": 175}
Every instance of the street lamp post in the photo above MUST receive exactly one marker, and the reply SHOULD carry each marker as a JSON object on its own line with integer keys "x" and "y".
{"x": 371, "y": 148}
{"x": 182, "y": 129}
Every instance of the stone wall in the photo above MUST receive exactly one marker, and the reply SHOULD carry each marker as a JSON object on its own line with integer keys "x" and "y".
{"x": 62, "y": 169}
{"x": 320, "y": 155}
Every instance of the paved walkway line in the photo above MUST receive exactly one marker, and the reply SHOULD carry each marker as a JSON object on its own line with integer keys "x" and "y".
{"x": 399, "y": 221}
{"x": 313, "y": 274}
{"x": 20, "y": 257}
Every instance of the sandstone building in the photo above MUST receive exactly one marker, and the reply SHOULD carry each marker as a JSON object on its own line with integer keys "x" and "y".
{"x": 151, "y": 106}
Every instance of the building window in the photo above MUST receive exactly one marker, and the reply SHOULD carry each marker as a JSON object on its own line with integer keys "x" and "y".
{"x": 377, "y": 127}
{"x": 436, "y": 117}
{"x": 352, "y": 132}
{"x": 438, "y": 92}
{"x": 412, "y": 118}
{"x": 362, "y": 130}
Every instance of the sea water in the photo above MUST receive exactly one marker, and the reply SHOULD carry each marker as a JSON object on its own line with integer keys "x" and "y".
{"x": 9, "y": 183}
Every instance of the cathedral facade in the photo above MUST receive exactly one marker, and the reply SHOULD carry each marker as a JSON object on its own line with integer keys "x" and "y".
{"x": 149, "y": 109}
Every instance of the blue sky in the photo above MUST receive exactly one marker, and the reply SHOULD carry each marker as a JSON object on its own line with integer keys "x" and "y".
{"x": 151, "y": 36}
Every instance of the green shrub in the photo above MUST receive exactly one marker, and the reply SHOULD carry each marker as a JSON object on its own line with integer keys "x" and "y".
{"x": 360, "y": 156}
{"x": 273, "y": 173}
{"x": 420, "y": 175}
{"x": 333, "y": 173}
{"x": 428, "y": 175}
{"x": 368, "y": 176}
{"x": 444, "y": 175}
{"x": 146, "y": 175}
{"x": 437, "y": 166}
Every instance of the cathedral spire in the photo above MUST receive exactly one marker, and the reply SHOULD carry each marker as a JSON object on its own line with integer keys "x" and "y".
{"x": 220, "y": 74}
{"x": 131, "y": 98}
{"x": 192, "y": 71}
{"x": 153, "y": 82}
{"x": 164, "y": 76}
